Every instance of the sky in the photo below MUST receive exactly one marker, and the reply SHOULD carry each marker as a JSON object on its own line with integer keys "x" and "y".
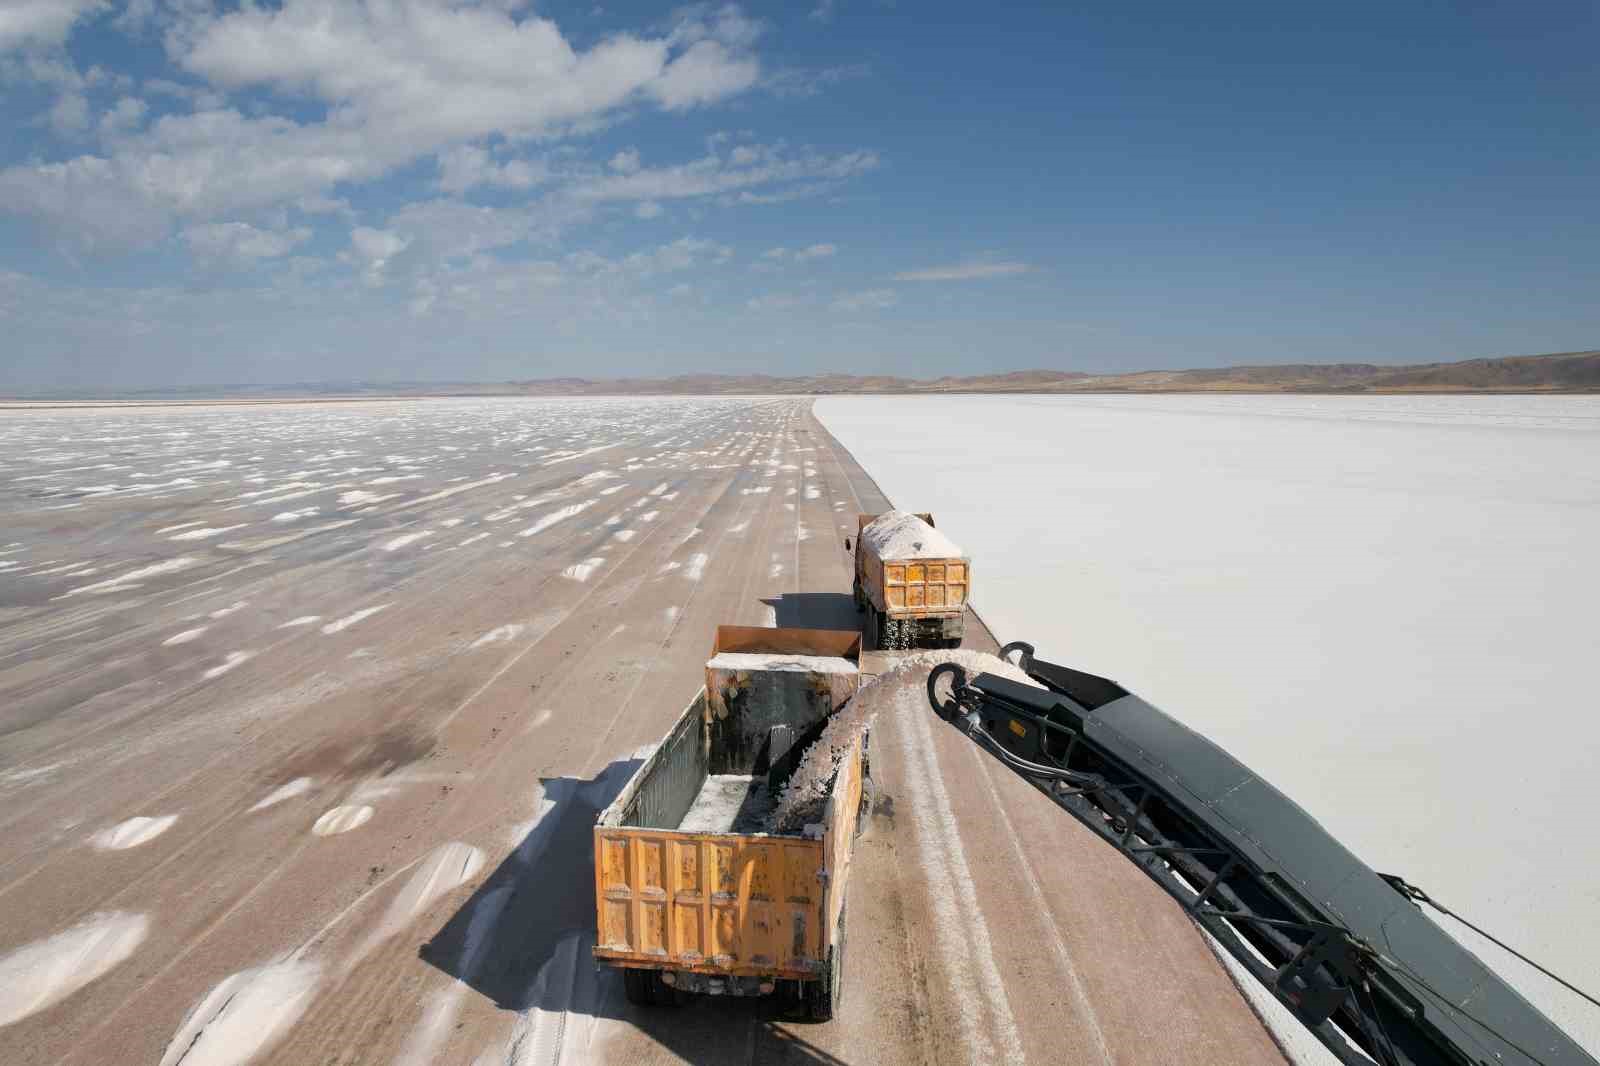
{"x": 195, "y": 193}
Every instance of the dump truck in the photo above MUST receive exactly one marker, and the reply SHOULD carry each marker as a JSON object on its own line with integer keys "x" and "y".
{"x": 910, "y": 579}
{"x": 697, "y": 891}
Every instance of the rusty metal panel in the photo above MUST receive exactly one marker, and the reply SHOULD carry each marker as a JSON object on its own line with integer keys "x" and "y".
{"x": 839, "y": 837}
{"x": 745, "y": 703}
{"x": 718, "y": 903}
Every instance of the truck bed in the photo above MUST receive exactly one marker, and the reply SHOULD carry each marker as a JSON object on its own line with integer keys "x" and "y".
{"x": 685, "y": 879}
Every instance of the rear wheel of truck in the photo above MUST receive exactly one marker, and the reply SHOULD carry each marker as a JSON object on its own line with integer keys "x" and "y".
{"x": 823, "y": 997}
{"x": 645, "y": 988}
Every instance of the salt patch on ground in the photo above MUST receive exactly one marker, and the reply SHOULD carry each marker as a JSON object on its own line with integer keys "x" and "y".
{"x": 244, "y": 1015}
{"x": 613, "y": 488}
{"x": 561, "y": 514}
{"x": 649, "y": 516}
{"x": 233, "y": 659}
{"x": 132, "y": 833}
{"x": 340, "y": 625}
{"x": 360, "y": 496}
{"x": 902, "y": 535}
{"x": 115, "y": 584}
{"x": 498, "y": 635}
{"x": 183, "y": 638}
{"x": 729, "y": 803}
{"x": 42, "y": 974}
{"x": 473, "y": 539}
{"x": 581, "y": 571}
{"x": 342, "y": 820}
{"x": 282, "y": 792}
{"x": 303, "y": 620}
{"x": 821, "y": 664}
{"x": 207, "y": 532}
{"x": 624, "y": 535}
{"x": 405, "y": 538}
{"x": 295, "y": 516}
{"x": 697, "y": 566}
{"x": 447, "y": 867}
{"x": 223, "y": 612}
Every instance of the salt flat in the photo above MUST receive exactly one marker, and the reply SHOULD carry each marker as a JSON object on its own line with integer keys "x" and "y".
{"x": 306, "y": 712}
{"x": 1384, "y": 605}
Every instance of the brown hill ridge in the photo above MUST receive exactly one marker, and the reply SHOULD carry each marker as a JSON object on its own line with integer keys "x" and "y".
{"x": 1563, "y": 372}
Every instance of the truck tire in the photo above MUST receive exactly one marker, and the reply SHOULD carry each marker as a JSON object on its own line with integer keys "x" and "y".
{"x": 823, "y": 996}
{"x": 645, "y": 988}
{"x": 861, "y": 601}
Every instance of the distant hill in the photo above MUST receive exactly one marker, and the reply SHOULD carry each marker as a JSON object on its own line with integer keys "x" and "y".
{"x": 1562, "y": 372}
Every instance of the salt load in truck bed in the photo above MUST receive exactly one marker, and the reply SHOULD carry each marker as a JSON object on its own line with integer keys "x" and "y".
{"x": 696, "y": 890}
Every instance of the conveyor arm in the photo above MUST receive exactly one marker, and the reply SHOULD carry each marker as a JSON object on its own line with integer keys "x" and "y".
{"x": 1352, "y": 958}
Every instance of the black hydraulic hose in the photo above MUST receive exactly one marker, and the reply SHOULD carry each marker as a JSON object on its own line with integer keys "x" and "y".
{"x": 1055, "y": 773}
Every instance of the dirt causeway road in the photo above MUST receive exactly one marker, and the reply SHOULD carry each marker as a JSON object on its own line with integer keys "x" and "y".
{"x": 306, "y": 713}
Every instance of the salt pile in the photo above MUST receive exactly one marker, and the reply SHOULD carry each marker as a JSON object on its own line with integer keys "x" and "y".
{"x": 819, "y": 664}
{"x": 805, "y": 794}
{"x": 902, "y": 535}
{"x": 729, "y": 803}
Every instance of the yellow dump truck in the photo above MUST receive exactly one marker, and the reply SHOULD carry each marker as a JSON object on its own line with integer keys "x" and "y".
{"x": 697, "y": 890}
{"x": 911, "y": 580}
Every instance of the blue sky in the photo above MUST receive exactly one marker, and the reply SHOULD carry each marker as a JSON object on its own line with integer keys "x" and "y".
{"x": 197, "y": 193}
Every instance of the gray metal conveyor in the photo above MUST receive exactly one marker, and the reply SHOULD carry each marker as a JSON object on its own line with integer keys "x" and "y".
{"x": 1347, "y": 950}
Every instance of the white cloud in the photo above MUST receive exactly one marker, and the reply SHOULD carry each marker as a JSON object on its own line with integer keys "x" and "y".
{"x": 963, "y": 272}
{"x": 705, "y": 73}
{"x": 712, "y": 175}
{"x": 869, "y": 300}
{"x": 399, "y": 82}
{"x": 625, "y": 161}
{"x": 681, "y": 254}
{"x": 468, "y": 166}
{"x": 816, "y": 251}
{"x": 373, "y": 249}
{"x": 647, "y": 209}
{"x": 775, "y": 253}
{"x": 70, "y": 115}
{"x": 124, "y": 116}
{"x": 241, "y": 241}
{"x": 431, "y": 71}
{"x": 451, "y": 229}
{"x": 41, "y": 22}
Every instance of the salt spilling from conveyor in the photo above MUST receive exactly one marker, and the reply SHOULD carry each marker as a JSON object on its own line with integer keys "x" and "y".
{"x": 803, "y": 796}
{"x": 902, "y": 535}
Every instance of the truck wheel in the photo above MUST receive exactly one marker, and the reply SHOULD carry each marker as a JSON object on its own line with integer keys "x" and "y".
{"x": 823, "y": 996}
{"x": 645, "y": 988}
{"x": 861, "y": 601}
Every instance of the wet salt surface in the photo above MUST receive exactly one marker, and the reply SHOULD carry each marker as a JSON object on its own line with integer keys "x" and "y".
{"x": 308, "y": 493}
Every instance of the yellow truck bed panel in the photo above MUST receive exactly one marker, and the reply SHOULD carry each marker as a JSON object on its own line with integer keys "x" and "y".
{"x": 749, "y": 905}
{"x": 710, "y": 902}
